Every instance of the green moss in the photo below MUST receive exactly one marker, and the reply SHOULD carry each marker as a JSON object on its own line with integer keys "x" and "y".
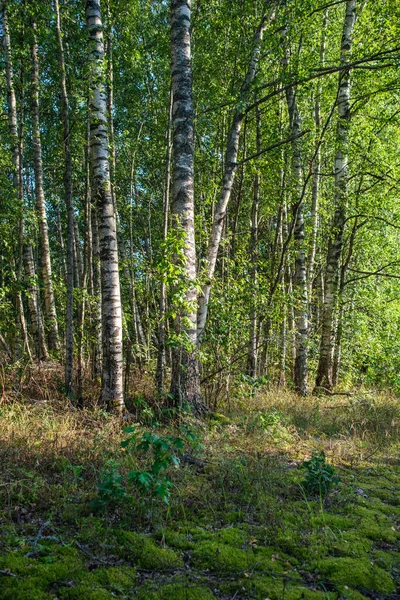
{"x": 37, "y": 576}
{"x": 386, "y": 494}
{"x": 336, "y": 522}
{"x": 358, "y": 573}
{"x": 177, "y": 592}
{"x": 176, "y": 539}
{"x": 273, "y": 588}
{"x": 232, "y": 536}
{"x": 199, "y": 533}
{"x": 215, "y": 556}
{"x": 374, "y": 525}
{"x": 388, "y": 560}
{"x": 144, "y": 552}
{"x": 291, "y": 541}
{"x": 83, "y": 591}
{"x": 348, "y": 594}
{"x": 233, "y": 516}
{"x": 269, "y": 559}
{"x": 351, "y": 544}
{"x": 116, "y": 576}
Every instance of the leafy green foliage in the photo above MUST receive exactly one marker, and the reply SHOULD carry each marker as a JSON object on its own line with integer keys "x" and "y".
{"x": 111, "y": 488}
{"x": 320, "y": 476}
{"x": 160, "y": 453}
{"x": 163, "y": 452}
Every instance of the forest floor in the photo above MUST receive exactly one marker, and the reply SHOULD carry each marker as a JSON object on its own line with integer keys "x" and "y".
{"x": 240, "y": 523}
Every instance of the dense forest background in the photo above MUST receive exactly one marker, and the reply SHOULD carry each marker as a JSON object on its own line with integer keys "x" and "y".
{"x": 289, "y": 255}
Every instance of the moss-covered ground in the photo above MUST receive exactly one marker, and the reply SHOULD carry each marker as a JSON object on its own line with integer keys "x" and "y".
{"x": 239, "y": 523}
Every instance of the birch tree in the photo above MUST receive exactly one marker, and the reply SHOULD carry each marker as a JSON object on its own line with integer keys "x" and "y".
{"x": 254, "y": 218}
{"x": 45, "y": 259}
{"x": 69, "y": 334}
{"x": 112, "y": 379}
{"x": 161, "y": 351}
{"x": 324, "y": 374}
{"x": 185, "y": 384}
{"x": 17, "y": 172}
{"x": 300, "y": 279}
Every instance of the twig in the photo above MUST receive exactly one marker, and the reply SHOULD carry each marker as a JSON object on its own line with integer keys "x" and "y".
{"x": 52, "y": 538}
{"x": 9, "y": 574}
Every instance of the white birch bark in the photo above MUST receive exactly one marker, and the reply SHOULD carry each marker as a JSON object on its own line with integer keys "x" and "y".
{"x": 97, "y": 301}
{"x": 252, "y": 350}
{"x": 16, "y": 160}
{"x": 316, "y": 168}
{"x": 161, "y": 350}
{"x": 33, "y": 303}
{"x": 300, "y": 275}
{"x": 49, "y": 300}
{"x": 185, "y": 384}
{"x": 229, "y": 173}
{"x": 69, "y": 333}
{"x": 112, "y": 376}
{"x": 324, "y": 374}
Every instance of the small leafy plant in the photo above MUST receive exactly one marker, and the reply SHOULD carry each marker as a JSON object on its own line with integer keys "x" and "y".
{"x": 111, "y": 488}
{"x": 251, "y": 385}
{"x": 160, "y": 451}
{"x": 163, "y": 451}
{"x": 320, "y": 476}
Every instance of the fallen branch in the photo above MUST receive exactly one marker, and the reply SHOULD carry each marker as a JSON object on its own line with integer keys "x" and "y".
{"x": 8, "y": 574}
{"x": 50, "y": 538}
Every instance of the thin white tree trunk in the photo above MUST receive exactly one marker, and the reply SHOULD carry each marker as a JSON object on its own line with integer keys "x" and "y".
{"x": 112, "y": 376}
{"x": 69, "y": 332}
{"x": 97, "y": 302}
{"x": 49, "y": 300}
{"x": 252, "y": 351}
{"x": 87, "y": 281}
{"x": 161, "y": 353}
{"x": 185, "y": 384}
{"x": 300, "y": 369}
{"x": 17, "y": 173}
{"x": 324, "y": 374}
{"x": 230, "y": 169}
{"x": 33, "y": 303}
{"x": 316, "y": 169}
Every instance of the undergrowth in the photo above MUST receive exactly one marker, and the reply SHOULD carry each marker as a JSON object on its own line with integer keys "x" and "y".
{"x": 255, "y": 508}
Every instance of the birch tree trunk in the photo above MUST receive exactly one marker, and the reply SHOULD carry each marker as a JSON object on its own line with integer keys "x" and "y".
{"x": 161, "y": 353}
{"x": 252, "y": 351}
{"x": 316, "y": 168}
{"x": 87, "y": 281}
{"x": 49, "y": 301}
{"x": 110, "y": 105}
{"x": 185, "y": 384}
{"x": 112, "y": 377}
{"x": 97, "y": 301}
{"x": 300, "y": 275}
{"x": 33, "y": 303}
{"x": 324, "y": 374}
{"x": 16, "y": 160}
{"x": 229, "y": 172}
{"x": 69, "y": 333}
